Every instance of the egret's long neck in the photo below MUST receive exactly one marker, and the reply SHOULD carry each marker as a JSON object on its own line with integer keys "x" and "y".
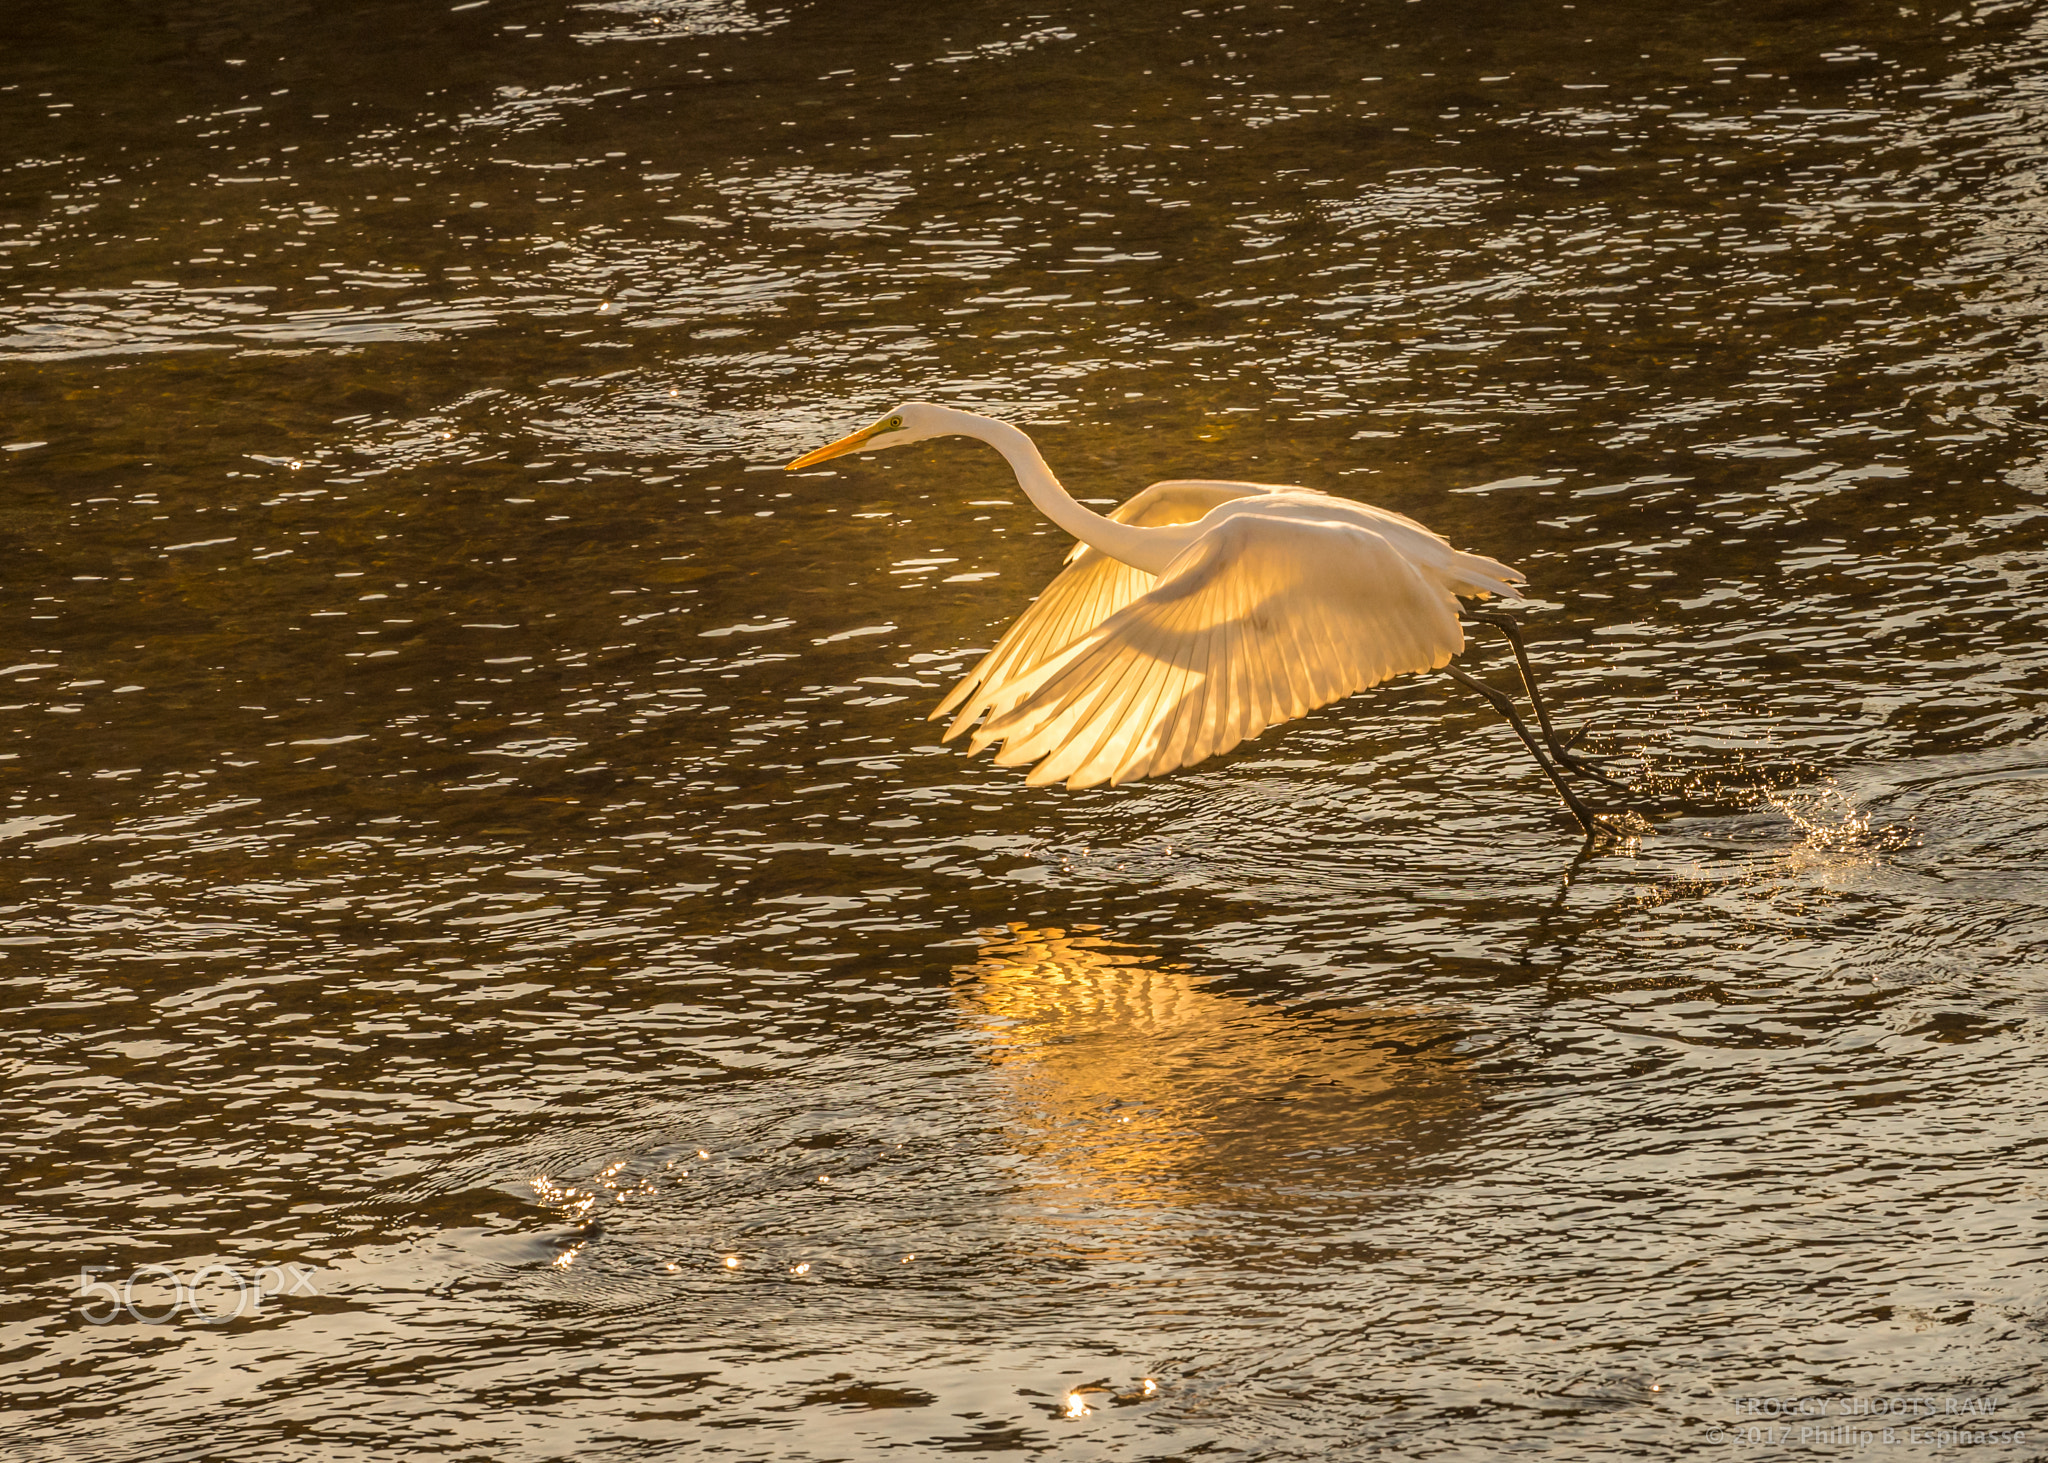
{"x": 1149, "y": 549}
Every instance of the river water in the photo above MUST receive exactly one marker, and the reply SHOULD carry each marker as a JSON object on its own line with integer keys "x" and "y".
{"x": 486, "y": 911}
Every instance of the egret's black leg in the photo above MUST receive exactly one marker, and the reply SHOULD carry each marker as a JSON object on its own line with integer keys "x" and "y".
{"x": 1507, "y": 708}
{"x": 1562, "y": 751}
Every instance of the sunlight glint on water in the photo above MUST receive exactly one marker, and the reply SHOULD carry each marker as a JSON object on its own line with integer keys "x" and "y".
{"x": 483, "y": 880}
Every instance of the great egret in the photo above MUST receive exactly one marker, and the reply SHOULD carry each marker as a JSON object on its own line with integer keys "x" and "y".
{"x": 1199, "y": 613}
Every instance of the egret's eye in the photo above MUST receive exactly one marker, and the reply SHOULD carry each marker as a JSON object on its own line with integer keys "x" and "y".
{"x": 894, "y": 424}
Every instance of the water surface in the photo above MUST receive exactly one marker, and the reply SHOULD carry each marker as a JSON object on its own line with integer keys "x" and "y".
{"x": 473, "y": 833}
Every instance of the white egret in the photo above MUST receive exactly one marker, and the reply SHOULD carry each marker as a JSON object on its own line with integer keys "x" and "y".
{"x": 1199, "y": 613}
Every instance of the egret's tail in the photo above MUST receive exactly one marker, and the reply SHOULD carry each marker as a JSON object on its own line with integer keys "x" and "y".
{"x": 1474, "y": 576}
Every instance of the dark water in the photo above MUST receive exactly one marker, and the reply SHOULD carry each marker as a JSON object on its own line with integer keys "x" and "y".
{"x": 473, "y": 836}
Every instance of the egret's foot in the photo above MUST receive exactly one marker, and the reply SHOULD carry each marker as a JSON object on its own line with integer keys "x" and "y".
{"x": 1581, "y": 763}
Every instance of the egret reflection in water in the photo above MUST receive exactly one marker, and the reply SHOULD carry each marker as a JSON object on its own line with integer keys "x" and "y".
{"x": 1144, "y": 1085}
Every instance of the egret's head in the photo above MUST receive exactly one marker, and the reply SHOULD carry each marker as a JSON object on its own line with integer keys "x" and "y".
{"x": 911, "y": 422}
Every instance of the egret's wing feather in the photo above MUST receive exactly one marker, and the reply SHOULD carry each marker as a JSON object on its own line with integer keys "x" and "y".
{"x": 1469, "y": 576}
{"x": 1088, "y": 591}
{"x": 1259, "y": 621}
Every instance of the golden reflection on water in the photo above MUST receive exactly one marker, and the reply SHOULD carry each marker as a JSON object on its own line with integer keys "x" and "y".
{"x": 473, "y": 597}
{"x": 1140, "y": 1084}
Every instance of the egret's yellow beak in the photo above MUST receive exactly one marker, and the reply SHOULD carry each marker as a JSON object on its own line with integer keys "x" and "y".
{"x": 835, "y": 449}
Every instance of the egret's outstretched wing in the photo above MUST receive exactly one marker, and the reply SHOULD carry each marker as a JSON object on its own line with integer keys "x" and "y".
{"x": 1088, "y": 591}
{"x": 1261, "y": 620}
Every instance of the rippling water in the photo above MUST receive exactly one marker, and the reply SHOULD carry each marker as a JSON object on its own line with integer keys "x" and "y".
{"x": 472, "y": 835}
